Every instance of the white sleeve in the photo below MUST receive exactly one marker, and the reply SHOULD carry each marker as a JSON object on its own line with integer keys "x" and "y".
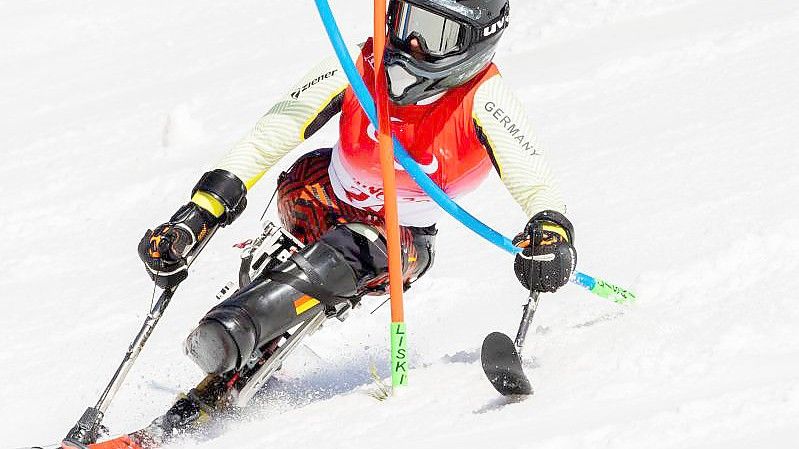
{"x": 300, "y": 113}
{"x": 521, "y": 163}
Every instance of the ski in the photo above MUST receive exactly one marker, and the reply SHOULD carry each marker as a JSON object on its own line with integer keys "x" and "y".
{"x": 216, "y": 398}
{"x": 503, "y": 366}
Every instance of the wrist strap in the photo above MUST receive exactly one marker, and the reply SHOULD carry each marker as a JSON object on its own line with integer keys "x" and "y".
{"x": 226, "y": 188}
{"x": 553, "y": 217}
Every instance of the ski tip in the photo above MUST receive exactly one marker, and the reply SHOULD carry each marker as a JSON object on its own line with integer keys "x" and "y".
{"x": 503, "y": 366}
{"x": 496, "y": 338}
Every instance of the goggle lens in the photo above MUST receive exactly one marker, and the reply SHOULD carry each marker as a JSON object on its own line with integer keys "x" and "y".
{"x": 437, "y": 35}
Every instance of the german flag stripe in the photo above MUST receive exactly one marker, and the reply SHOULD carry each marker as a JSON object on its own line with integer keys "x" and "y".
{"x": 304, "y": 304}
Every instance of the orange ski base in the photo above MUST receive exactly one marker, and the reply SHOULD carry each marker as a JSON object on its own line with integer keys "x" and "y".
{"x": 122, "y": 442}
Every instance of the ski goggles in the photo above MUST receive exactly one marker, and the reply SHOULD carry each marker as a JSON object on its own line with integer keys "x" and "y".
{"x": 438, "y": 36}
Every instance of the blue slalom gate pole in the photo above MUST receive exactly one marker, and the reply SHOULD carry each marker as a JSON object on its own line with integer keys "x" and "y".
{"x": 597, "y": 286}
{"x": 405, "y": 159}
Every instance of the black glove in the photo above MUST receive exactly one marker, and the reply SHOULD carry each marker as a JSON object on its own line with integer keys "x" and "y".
{"x": 164, "y": 249}
{"x": 549, "y": 257}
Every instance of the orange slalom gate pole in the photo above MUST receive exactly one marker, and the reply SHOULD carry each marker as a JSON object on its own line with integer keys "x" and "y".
{"x": 399, "y": 353}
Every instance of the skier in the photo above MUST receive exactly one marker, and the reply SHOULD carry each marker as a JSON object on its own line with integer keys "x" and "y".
{"x": 454, "y": 114}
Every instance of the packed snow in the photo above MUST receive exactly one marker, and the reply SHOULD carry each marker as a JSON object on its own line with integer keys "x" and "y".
{"x": 672, "y": 125}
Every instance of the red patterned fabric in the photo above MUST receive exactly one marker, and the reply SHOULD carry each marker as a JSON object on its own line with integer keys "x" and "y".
{"x": 307, "y": 205}
{"x": 308, "y": 208}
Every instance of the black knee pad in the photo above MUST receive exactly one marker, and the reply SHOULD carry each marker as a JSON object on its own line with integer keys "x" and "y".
{"x": 363, "y": 252}
{"x": 223, "y": 340}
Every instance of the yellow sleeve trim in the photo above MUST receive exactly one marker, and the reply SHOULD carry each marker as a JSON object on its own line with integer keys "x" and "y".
{"x": 551, "y": 227}
{"x": 251, "y": 182}
{"x": 490, "y": 144}
{"x": 209, "y": 203}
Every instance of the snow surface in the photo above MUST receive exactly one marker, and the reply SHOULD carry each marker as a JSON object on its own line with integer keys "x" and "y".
{"x": 673, "y": 127}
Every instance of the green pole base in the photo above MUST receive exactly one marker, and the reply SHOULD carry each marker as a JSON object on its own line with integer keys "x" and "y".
{"x": 613, "y": 292}
{"x": 399, "y": 355}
